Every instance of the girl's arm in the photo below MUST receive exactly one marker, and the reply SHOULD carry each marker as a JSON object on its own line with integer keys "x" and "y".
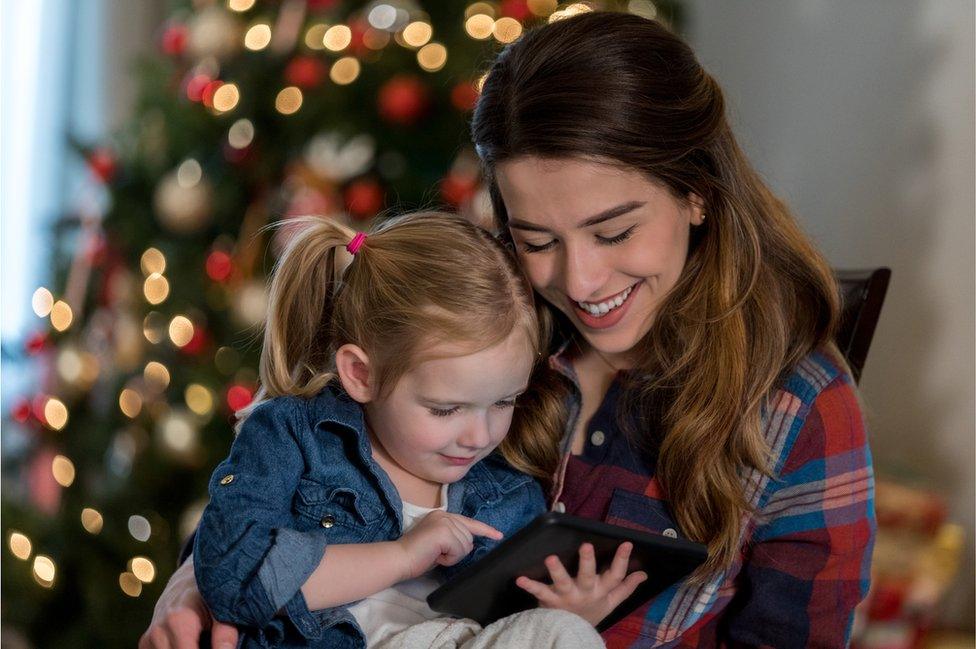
{"x": 351, "y": 572}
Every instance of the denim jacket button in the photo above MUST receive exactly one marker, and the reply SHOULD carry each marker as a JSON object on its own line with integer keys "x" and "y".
{"x": 227, "y": 479}
{"x": 671, "y": 533}
{"x": 328, "y": 521}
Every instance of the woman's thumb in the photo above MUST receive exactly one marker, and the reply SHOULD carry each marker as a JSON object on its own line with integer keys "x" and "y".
{"x": 223, "y": 636}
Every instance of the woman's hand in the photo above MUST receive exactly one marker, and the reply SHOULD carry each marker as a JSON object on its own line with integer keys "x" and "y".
{"x": 591, "y": 596}
{"x": 440, "y": 538}
{"x": 181, "y": 616}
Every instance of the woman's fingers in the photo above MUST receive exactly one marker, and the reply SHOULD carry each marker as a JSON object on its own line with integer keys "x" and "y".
{"x": 223, "y": 636}
{"x": 586, "y": 577}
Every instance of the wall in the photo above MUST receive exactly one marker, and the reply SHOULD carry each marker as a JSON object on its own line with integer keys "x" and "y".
{"x": 861, "y": 114}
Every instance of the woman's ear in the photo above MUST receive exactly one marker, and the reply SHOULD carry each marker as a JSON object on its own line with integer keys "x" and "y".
{"x": 355, "y": 372}
{"x": 696, "y": 209}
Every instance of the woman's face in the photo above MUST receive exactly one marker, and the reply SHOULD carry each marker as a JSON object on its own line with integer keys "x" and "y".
{"x": 602, "y": 244}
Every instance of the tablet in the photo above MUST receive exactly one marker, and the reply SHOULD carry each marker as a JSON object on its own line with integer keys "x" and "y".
{"x": 486, "y": 590}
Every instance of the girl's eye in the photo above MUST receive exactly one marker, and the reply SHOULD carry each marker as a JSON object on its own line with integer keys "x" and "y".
{"x": 445, "y": 412}
{"x": 617, "y": 238}
{"x": 530, "y": 248}
{"x": 510, "y": 403}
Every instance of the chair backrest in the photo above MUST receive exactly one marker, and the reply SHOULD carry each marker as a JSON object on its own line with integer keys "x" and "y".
{"x": 862, "y": 294}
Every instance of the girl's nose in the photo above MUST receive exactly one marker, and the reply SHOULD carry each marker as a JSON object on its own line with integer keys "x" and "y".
{"x": 476, "y": 434}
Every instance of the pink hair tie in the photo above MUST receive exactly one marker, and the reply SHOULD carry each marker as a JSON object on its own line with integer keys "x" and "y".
{"x": 356, "y": 243}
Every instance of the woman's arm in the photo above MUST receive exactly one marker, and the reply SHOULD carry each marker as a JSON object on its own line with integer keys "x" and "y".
{"x": 809, "y": 563}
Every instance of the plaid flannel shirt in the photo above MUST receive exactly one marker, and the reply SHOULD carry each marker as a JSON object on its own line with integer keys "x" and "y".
{"x": 805, "y": 555}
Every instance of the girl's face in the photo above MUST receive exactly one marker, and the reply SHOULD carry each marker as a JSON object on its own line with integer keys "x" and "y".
{"x": 446, "y": 414}
{"x": 602, "y": 244}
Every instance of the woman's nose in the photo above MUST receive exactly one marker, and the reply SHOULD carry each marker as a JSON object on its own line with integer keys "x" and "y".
{"x": 584, "y": 273}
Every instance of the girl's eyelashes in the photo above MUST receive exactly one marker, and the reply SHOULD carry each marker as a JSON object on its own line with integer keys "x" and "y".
{"x": 508, "y": 403}
{"x": 607, "y": 241}
{"x": 443, "y": 412}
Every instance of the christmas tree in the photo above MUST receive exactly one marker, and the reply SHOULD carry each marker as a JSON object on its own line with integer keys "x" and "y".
{"x": 251, "y": 113}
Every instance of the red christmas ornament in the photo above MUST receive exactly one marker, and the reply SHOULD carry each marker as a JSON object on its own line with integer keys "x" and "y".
{"x": 196, "y": 86}
{"x": 103, "y": 164}
{"x": 173, "y": 40}
{"x": 36, "y": 343}
{"x": 321, "y": 5}
{"x": 239, "y": 396}
{"x": 21, "y": 411}
{"x": 457, "y": 189}
{"x": 306, "y": 71}
{"x": 219, "y": 265}
{"x": 517, "y": 9}
{"x": 364, "y": 198}
{"x": 199, "y": 342}
{"x": 403, "y": 100}
{"x": 464, "y": 96}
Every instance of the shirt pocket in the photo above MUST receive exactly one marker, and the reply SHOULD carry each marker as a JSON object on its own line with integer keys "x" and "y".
{"x": 639, "y": 512}
{"x": 342, "y": 512}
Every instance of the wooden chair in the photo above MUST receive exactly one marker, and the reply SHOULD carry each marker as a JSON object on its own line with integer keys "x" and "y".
{"x": 862, "y": 295}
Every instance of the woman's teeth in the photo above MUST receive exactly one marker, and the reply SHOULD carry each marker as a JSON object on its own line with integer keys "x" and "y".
{"x": 602, "y": 308}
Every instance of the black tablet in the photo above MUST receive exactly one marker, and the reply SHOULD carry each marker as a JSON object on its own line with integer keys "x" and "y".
{"x": 486, "y": 590}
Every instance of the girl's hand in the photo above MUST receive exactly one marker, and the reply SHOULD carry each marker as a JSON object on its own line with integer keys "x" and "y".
{"x": 181, "y": 616}
{"x": 591, "y": 596}
{"x": 440, "y": 538}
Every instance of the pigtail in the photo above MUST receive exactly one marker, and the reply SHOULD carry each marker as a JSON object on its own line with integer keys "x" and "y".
{"x": 297, "y": 353}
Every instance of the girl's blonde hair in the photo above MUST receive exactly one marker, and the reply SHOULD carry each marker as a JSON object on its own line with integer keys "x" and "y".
{"x": 418, "y": 280}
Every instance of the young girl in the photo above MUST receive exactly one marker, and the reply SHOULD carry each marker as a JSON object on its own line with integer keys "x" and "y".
{"x": 369, "y": 461}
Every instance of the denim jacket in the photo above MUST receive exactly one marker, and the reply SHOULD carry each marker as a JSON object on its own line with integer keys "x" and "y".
{"x": 300, "y": 476}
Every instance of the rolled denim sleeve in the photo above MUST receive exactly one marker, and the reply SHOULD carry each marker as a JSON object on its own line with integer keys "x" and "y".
{"x": 248, "y": 567}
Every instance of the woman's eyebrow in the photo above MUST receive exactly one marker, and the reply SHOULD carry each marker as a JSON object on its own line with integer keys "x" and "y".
{"x": 603, "y": 216}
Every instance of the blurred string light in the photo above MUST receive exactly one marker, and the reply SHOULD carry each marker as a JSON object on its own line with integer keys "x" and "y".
{"x": 177, "y": 432}
{"x": 226, "y": 97}
{"x": 155, "y": 288}
{"x": 568, "y": 12}
{"x": 345, "y": 70}
{"x": 337, "y": 38}
{"x": 240, "y": 5}
{"x": 189, "y": 173}
{"x": 42, "y": 302}
{"x": 199, "y": 399}
{"x": 315, "y": 36}
{"x": 257, "y": 37}
{"x": 506, "y": 29}
{"x": 130, "y": 403}
{"x": 289, "y": 100}
{"x": 139, "y": 528}
{"x": 130, "y": 584}
{"x": 143, "y": 569}
{"x": 156, "y": 375}
{"x": 642, "y": 8}
{"x": 180, "y": 330}
{"x": 55, "y": 413}
{"x": 63, "y": 470}
{"x": 152, "y": 261}
{"x": 432, "y": 57}
{"x": 479, "y": 26}
{"x": 417, "y": 33}
{"x": 44, "y": 570}
{"x": 476, "y": 8}
{"x": 19, "y": 545}
{"x": 241, "y": 134}
{"x": 154, "y": 327}
{"x": 91, "y": 520}
{"x": 542, "y": 8}
{"x": 382, "y": 16}
{"x": 77, "y": 368}
{"x": 61, "y": 315}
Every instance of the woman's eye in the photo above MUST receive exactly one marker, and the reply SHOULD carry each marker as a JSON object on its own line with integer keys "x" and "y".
{"x": 529, "y": 247}
{"x": 443, "y": 412}
{"x": 617, "y": 238}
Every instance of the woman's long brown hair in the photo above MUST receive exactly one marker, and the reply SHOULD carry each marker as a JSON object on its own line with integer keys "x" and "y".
{"x": 754, "y": 297}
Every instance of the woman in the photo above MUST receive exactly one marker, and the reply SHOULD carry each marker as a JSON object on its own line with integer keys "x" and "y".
{"x": 706, "y": 397}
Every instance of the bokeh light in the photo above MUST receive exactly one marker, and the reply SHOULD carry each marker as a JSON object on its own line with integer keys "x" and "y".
{"x": 257, "y": 37}
{"x": 143, "y": 568}
{"x": 61, "y": 315}
{"x": 337, "y": 38}
{"x": 155, "y": 288}
{"x": 130, "y": 403}
{"x": 152, "y": 261}
{"x": 479, "y": 26}
{"x": 180, "y": 330}
{"x": 42, "y": 302}
{"x": 241, "y": 134}
{"x": 139, "y": 528}
{"x": 226, "y": 97}
{"x": 55, "y": 413}
{"x": 432, "y": 57}
{"x": 345, "y": 70}
{"x": 91, "y": 520}
{"x": 44, "y": 570}
{"x": 507, "y": 30}
{"x": 63, "y": 470}
{"x": 19, "y": 545}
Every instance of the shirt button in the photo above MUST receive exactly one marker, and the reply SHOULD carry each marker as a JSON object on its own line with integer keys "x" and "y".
{"x": 597, "y": 438}
{"x": 671, "y": 533}
{"x": 327, "y": 521}
{"x": 227, "y": 479}
{"x": 559, "y": 507}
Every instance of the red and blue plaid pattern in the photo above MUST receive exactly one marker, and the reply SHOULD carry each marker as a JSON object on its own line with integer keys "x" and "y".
{"x": 805, "y": 553}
